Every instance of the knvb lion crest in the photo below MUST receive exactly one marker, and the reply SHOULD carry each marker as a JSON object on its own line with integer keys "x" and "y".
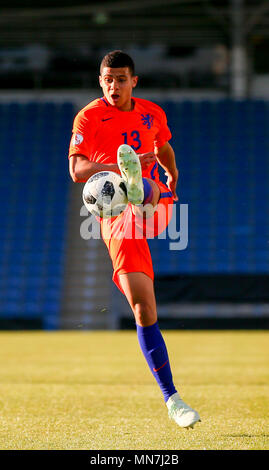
{"x": 147, "y": 120}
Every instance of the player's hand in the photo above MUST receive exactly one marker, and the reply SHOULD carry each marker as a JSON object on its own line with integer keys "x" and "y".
{"x": 146, "y": 159}
{"x": 172, "y": 183}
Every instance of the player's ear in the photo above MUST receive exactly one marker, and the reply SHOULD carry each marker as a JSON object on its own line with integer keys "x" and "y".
{"x": 100, "y": 81}
{"x": 134, "y": 80}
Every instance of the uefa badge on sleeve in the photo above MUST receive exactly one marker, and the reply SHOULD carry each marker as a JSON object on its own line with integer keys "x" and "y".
{"x": 77, "y": 139}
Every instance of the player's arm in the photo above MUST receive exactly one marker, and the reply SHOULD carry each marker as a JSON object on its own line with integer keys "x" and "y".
{"x": 81, "y": 168}
{"x": 166, "y": 158}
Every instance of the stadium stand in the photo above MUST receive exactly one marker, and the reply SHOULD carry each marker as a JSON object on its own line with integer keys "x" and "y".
{"x": 34, "y": 192}
{"x": 222, "y": 149}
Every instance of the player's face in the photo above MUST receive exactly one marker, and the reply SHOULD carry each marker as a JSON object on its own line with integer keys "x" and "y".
{"x": 117, "y": 85}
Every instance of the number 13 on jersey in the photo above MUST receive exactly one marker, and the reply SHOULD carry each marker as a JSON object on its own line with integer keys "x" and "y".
{"x": 133, "y": 139}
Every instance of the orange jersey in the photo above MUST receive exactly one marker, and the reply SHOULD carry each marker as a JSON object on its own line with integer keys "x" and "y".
{"x": 99, "y": 129}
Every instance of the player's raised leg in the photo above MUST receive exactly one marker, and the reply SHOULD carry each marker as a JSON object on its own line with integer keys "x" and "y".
{"x": 139, "y": 291}
{"x": 139, "y": 190}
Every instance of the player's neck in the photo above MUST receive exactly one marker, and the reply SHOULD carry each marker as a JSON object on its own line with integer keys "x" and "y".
{"x": 128, "y": 106}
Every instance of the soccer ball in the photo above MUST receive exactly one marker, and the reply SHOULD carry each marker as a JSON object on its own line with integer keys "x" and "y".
{"x": 105, "y": 194}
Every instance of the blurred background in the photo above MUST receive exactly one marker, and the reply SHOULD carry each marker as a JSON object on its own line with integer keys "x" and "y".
{"x": 206, "y": 63}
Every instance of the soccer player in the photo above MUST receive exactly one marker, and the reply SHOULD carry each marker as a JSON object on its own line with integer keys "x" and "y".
{"x": 130, "y": 136}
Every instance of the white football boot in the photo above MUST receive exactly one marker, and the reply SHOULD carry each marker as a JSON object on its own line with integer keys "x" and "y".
{"x": 181, "y": 413}
{"x": 131, "y": 172}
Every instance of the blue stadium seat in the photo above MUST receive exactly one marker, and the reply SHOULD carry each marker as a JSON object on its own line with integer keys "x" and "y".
{"x": 32, "y": 212}
{"x": 222, "y": 150}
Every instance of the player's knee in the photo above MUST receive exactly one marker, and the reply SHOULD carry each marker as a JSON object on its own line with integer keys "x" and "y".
{"x": 145, "y": 315}
{"x": 155, "y": 192}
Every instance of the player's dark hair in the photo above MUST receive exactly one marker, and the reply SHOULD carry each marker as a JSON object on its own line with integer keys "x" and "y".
{"x": 116, "y": 59}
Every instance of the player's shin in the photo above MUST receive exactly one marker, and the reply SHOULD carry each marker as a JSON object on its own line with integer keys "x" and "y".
{"x": 154, "y": 349}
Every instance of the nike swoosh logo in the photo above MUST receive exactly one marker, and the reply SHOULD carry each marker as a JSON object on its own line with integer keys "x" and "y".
{"x": 106, "y": 119}
{"x": 156, "y": 370}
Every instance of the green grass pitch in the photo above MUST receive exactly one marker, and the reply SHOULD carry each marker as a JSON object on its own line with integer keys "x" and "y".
{"x": 93, "y": 390}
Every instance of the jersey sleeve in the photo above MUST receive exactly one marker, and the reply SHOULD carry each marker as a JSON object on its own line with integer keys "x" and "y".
{"x": 82, "y": 135}
{"x": 164, "y": 133}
